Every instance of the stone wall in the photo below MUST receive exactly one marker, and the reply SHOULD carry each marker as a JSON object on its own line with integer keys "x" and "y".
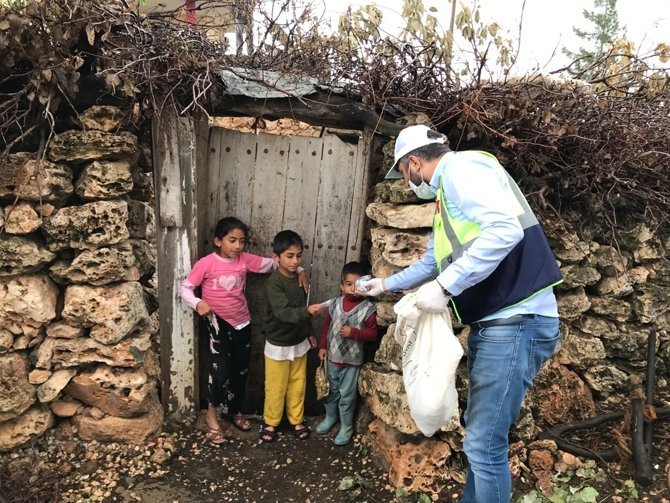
{"x": 77, "y": 259}
{"x": 613, "y": 295}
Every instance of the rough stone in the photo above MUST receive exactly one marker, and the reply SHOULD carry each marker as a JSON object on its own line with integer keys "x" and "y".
{"x": 38, "y": 376}
{"x": 60, "y": 353}
{"x": 97, "y": 267}
{"x": 20, "y": 177}
{"x": 658, "y": 270}
{"x": 580, "y": 350}
{"x": 395, "y": 192}
{"x": 78, "y": 146}
{"x": 402, "y": 216}
{"x": 578, "y": 276}
{"x": 115, "y": 391}
{"x": 416, "y": 464}
{"x": 64, "y": 331}
{"x": 381, "y": 268}
{"x": 141, "y": 220}
{"x": 648, "y": 251}
{"x": 20, "y": 255}
{"x": 112, "y": 312}
{"x": 651, "y": 301}
{"x": 384, "y": 393}
{"x": 631, "y": 343}
{"x": 573, "y": 303}
{"x": 101, "y": 117}
{"x": 560, "y": 396}
{"x": 21, "y": 219}
{"x": 116, "y": 429}
{"x": 65, "y": 408}
{"x": 389, "y": 353}
{"x": 6, "y": 340}
{"x": 618, "y": 286}
{"x": 385, "y": 314}
{"x": 610, "y": 261}
{"x": 606, "y": 379}
{"x": 16, "y": 392}
{"x": 145, "y": 255}
{"x": 400, "y": 248}
{"x": 613, "y": 309}
{"x": 88, "y": 226}
{"x": 50, "y": 390}
{"x": 104, "y": 180}
{"x": 29, "y": 300}
{"x": 541, "y": 464}
{"x": 599, "y": 327}
{"x": 20, "y": 430}
{"x": 573, "y": 254}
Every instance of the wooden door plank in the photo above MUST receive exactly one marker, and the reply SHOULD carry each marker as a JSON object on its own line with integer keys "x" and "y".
{"x": 174, "y": 168}
{"x": 232, "y": 158}
{"x": 269, "y": 190}
{"x": 359, "y": 199}
{"x": 302, "y": 188}
{"x": 333, "y": 213}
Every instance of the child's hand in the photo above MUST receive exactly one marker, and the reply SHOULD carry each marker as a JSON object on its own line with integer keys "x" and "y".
{"x": 203, "y": 308}
{"x": 312, "y": 341}
{"x": 322, "y": 354}
{"x": 315, "y": 309}
{"x": 303, "y": 281}
{"x": 345, "y": 331}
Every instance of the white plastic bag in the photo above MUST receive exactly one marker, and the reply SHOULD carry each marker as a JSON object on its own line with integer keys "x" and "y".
{"x": 430, "y": 355}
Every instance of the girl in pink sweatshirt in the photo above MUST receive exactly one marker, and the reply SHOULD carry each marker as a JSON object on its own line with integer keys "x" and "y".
{"x": 221, "y": 277}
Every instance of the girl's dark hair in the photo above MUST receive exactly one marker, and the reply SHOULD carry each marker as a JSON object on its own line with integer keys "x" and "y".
{"x": 284, "y": 240}
{"x": 225, "y": 225}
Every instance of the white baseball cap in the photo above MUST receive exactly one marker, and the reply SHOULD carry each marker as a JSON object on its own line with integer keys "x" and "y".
{"x": 409, "y": 139}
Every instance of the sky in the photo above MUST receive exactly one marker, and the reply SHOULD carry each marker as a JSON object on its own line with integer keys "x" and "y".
{"x": 547, "y": 25}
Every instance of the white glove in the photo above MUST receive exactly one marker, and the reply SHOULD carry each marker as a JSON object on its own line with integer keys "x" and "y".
{"x": 372, "y": 287}
{"x": 432, "y": 298}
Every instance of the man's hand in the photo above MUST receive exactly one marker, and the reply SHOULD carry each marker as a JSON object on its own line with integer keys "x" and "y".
{"x": 203, "y": 308}
{"x": 372, "y": 288}
{"x": 322, "y": 354}
{"x": 302, "y": 280}
{"x": 345, "y": 331}
{"x": 432, "y": 298}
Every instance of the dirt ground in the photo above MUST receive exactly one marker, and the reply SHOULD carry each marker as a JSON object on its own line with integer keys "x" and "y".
{"x": 181, "y": 466}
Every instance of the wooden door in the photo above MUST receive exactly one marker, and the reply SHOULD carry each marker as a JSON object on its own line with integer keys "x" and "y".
{"x": 316, "y": 187}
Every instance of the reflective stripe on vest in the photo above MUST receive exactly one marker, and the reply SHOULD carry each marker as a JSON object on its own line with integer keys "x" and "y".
{"x": 452, "y": 237}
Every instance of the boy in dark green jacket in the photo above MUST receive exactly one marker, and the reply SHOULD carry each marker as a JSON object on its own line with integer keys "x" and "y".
{"x": 287, "y": 340}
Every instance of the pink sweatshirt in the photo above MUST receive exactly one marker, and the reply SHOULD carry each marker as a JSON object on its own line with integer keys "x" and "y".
{"x": 222, "y": 281}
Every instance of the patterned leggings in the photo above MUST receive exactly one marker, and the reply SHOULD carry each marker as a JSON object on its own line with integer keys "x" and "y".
{"x": 230, "y": 349}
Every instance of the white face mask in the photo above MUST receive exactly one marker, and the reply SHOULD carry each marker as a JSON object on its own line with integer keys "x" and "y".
{"x": 423, "y": 190}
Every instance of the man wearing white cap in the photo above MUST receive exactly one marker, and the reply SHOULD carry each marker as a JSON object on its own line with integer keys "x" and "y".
{"x": 489, "y": 259}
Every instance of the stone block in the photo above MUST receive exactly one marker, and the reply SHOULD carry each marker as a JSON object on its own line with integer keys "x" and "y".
{"x": 20, "y": 255}
{"x": 88, "y": 226}
{"x": 409, "y": 216}
{"x": 134, "y": 430}
{"x": 21, "y": 176}
{"x": 16, "y": 392}
{"x": 24, "y": 428}
{"x": 112, "y": 312}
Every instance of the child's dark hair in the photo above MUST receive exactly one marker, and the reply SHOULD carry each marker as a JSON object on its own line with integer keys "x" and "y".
{"x": 356, "y": 268}
{"x": 225, "y": 225}
{"x": 284, "y": 240}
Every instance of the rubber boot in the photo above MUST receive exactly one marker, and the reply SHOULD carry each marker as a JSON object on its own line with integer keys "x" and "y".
{"x": 346, "y": 427}
{"x": 329, "y": 421}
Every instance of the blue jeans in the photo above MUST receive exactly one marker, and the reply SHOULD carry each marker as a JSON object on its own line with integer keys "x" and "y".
{"x": 502, "y": 363}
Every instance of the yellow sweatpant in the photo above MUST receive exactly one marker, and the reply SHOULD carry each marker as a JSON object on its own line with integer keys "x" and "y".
{"x": 285, "y": 382}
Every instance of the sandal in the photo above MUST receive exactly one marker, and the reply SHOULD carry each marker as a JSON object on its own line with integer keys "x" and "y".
{"x": 215, "y": 436}
{"x": 266, "y": 434}
{"x": 239, "y": 421}
{"x": 301, "y": 433}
